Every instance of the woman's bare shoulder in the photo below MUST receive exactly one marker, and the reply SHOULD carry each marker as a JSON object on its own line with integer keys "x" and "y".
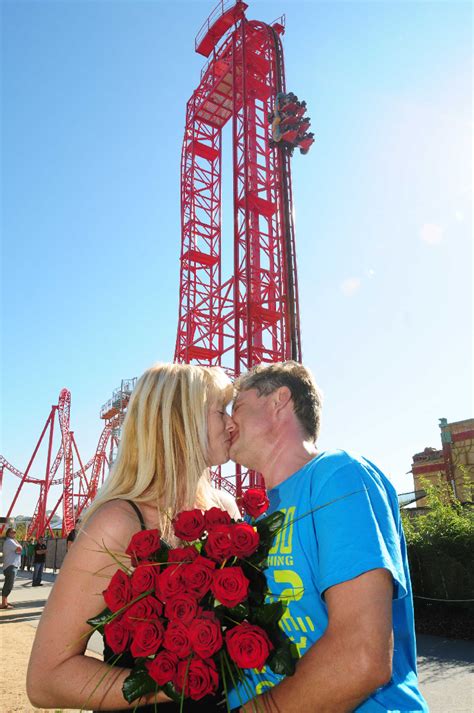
{"x": 113, "y": 523}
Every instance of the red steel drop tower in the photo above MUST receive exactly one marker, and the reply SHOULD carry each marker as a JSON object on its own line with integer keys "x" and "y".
{"x": 251, "y": 316}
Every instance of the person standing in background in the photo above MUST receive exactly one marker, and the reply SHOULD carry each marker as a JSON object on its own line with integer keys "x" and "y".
{"x": 11, "y": 562}
{"x": 39, "y": 560}
{"x": 24, "y": 554}
{"x": 31, "y": 555}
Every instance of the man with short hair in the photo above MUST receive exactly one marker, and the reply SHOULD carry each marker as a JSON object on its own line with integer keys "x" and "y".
{"x": 39, "y": 561}
{"x": 11, "y": 562}
{"x": 339, "y": 562}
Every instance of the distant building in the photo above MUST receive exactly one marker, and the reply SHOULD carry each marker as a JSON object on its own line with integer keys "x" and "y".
{"x": 454, "y": 462}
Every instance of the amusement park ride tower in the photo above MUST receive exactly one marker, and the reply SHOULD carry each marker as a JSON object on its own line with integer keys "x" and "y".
{"x": 251, "y": 316}
{"x": 248, "y": 317}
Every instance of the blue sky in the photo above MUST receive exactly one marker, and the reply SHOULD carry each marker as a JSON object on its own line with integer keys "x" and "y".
{"x": 93, "y": 97}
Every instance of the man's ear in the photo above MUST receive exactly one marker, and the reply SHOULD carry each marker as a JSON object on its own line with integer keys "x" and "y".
{"x": 282, "y": 398}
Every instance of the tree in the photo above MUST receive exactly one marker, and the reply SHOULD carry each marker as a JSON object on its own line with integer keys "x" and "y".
{"x": 440, "y": 545}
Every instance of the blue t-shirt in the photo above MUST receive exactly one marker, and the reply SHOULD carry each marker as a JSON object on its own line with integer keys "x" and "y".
{"x": 351, "y": 525}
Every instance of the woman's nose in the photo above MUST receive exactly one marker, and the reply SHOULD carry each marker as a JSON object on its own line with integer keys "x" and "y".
{"x": 229, "y": 424}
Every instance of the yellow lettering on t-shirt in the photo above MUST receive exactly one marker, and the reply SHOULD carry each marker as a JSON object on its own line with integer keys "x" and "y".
{"x": 262, "y": 686}
{"x": 287, "y": 532}
{"x": 301, "y": 624}
{"x": 300, "y": 645}
{"x": 295, "y": 590}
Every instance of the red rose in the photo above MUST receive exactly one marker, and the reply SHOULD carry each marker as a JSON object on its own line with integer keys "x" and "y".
{"x": 176, "y": 639}
{"x": 206, "y": 635}
{"x": 198, "y": 677}
{"x": 218, "y": 544}
{"x": 116, "y": 635}
{"x": 146, "y": 609}
{"x": 245, "y": 539}
{"x": 182, "y": 607}
{"x": 197, "y": 576}
{"x": 230, "y": 586}
{"x": 147, "y": 638}
{"x": 216, "y": 516}
{"x": 189, "y": 525}
{"x": 143, "y": 577}
{"x": 163, "y": 668}
{"x": 255, "y": 502}
{"x": 183, "y": 554}
{"x": 119, "y": 591}
{"x": 143, "y": 544}
{"x": 170, "y": 582}
{"x": 248, "y": 645}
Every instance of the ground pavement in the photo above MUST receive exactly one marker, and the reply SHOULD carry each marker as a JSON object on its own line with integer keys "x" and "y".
{"x": 446, "y": 666}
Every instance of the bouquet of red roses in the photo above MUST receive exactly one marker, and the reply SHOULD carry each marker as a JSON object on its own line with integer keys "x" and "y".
{"x": 189, "y": 619}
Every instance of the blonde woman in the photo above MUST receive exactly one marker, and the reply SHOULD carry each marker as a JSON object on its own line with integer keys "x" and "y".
{"x": 175, "y": 428}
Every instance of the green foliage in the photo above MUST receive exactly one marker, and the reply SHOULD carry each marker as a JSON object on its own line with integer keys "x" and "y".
{"x": 98, "y": 622}
{"x": 237, "y": 613}
{"x": 269, "y": 526}
{"x": 440, "y": 545}
{"x": 268, "y": 615}
{"x": 283, "y": 659}
{"x": 138, "y": 683}
{"x": 21, "y": 530}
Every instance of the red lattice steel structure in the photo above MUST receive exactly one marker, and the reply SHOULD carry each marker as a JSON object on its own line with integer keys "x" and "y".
{"x": 78, "y": 486}
{"x": 253, "y": 315}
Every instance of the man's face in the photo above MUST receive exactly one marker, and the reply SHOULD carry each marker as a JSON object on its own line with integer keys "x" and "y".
{"x": 251, "y": 427}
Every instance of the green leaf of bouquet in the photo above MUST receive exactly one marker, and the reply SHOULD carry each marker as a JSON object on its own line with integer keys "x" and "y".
{"x": 138, "y": 683}
{"x": 258, "y": 585}
{"x": 238, "y": 613}
{"x": 268, "y": 527}
{"x": 283, "y": 659}
{"x": 268, "y": 614}
{"x": 101, "y": 619}
{"x": 171, "y": 692}
{"x": 162, "y": 554}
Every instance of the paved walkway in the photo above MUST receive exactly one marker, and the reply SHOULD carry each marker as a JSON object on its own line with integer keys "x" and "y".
{"x": 446, "y": 674}
{"x": 446, "y": 666}
{"x": 31, "y": 600}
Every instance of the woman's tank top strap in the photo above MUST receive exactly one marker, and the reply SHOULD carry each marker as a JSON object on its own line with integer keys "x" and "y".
{"x": 138, "y": 512}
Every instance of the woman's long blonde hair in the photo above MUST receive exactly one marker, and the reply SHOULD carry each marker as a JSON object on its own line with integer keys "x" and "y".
{"x": 162, "y": 458}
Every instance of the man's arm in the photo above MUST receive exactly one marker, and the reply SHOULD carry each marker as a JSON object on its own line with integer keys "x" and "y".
{"x": 350, "y": 660}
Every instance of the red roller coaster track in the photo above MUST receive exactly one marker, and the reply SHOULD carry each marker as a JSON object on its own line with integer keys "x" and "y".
{"x": 238, "y": 321}
{"x": 78, "y": 490}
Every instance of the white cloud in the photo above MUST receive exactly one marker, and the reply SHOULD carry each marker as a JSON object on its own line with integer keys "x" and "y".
{"x": 459, "y": 215}
{"x": 350, "y": 286}
{"x": 431, "y": 234}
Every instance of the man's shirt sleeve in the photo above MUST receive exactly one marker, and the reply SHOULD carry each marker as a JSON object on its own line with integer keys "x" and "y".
{"x": 356, "y": 529}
